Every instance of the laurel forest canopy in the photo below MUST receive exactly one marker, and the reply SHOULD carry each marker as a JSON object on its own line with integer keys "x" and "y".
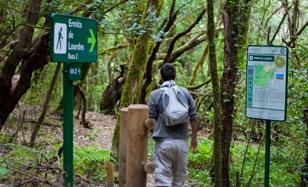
{"x": 206, "y": 40}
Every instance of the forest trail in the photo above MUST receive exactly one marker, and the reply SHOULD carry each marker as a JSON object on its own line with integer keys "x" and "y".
{"x": 101, "y": 131}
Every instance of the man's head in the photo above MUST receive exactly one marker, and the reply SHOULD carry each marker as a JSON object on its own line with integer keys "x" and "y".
{"x": 167, "y": 72}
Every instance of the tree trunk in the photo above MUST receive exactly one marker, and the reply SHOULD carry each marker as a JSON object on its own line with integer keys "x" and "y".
{"x": 112, "y": 93}
{"x": 150, "y": 62}
{"x": 216, "y": 95}
{"x": 235, "y": 22}
{"x": 304, "y": 172}
{"x": 228, "y": 83}
{"x": 45, "y": 106}
{"x": 133, "y": 84}
{"x": 21, "y": 52}
{"x": 83, "y": 121}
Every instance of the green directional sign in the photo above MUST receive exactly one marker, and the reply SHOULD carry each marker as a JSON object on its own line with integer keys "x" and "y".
{"x": 73, "y": 39}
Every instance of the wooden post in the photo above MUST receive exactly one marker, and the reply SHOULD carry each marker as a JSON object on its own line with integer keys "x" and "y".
{"x": 123, "y": 146}
{"x": 149, "y": 167}
{"x": 150, "y": 123}
{"x": 110, "y": 168}
{"x": 136, "y": 146}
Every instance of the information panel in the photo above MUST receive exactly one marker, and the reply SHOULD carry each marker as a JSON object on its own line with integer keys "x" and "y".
{"x": 73, "y": 39}
{"x": 266, "y": 82}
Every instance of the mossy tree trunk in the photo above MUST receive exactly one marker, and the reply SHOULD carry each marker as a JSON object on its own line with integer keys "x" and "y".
{"x": 134, "y": 79}
{"x": 45, "y": 106}
{"x": 235, "y": 20}
{"x": 216, "y": 94}
{"x": 32, "y": 54}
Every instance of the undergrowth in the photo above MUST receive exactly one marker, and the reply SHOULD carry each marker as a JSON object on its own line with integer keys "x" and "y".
{"x": 19, "y": 163}
{"x": 286, "y": 161}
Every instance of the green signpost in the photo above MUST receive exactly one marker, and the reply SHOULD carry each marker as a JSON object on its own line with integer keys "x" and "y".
{"x": 73, "y": 41}
{"x": 266, "y": 90}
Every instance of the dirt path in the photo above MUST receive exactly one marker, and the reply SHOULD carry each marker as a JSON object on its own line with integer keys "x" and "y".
{"x": 102, "y": 131}
{"x": 100, "y": 134}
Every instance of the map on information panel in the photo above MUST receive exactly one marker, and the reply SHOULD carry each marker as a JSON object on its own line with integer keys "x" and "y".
{"x": 266, "y": 82}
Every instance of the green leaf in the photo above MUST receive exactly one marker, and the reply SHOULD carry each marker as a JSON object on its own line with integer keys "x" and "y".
{"x": 3, "y": 171}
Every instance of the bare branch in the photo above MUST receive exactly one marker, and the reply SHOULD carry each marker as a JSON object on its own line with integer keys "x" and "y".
{"x": 79, "y": 8}
{"x": 272, "y": 14}
{"x": 116, "y": 5}
{"x": 114, "y": 48}
{"x": 195, "y": 87}
{"x": 42, "y": 180}
{"x": 299, "y": 32}
{"x": 278, "y": 28}
{"x": 187, "y": 46}
{"x": 268, "y": 34}
{"x": 181, "y": 34}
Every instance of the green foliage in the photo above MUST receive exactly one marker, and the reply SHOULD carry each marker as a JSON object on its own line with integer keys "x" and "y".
{"x": 201, "y": 158}
{"x": 15, "y": 157}
{"x": 121, "y": 26}
{"x": 20, "y": 155}
{"x": 41, "y": 81}
{"x": 92, "y": 161}
{"x": 3, "y": 171}
{"x": 89, "y": 161}
{"x": 286, "y": 161}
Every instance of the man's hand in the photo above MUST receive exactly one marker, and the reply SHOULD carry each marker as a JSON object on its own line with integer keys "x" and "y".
{"x": 194, "y": 129}
{"x": 194, "y": 143}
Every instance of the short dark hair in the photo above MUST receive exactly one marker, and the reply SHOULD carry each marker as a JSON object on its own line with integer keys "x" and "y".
{"x": 167, "y": 72}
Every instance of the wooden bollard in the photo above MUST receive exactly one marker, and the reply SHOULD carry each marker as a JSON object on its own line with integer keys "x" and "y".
{"x": 136, "y": 146}
{"x": 123, "y": 146}
{"x": 149, "y": 167}
{"x": 110, "y": 170}
{"x": 150, "y": 123}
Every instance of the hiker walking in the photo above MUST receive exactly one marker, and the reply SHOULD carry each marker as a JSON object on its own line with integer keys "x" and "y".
{"x": 60, "y": 37}
{"x": 172, "y": 107}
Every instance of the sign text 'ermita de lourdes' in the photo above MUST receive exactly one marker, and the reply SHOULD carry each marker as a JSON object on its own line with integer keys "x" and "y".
{"x": 73, "y": 39}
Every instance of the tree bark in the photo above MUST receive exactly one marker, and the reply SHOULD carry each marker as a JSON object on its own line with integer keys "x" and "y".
{"x": 216, "y": 95}
{"x": 84, "y": 122}
{"x": 133, "y": 84}
{"x": 228, "y": 83}
{"x": 304, "y": 172}
{"x": 112, "y": 93}
{"x": 150, "y": 62}
{"x": 235, "y": 22}
{"x": 45, "y": 106}
{"x": 21, "y": 52}
{"x": 181, "y": 34}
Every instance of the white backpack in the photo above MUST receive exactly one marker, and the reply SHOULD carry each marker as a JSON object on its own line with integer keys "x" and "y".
{"x": 174, "y": 111}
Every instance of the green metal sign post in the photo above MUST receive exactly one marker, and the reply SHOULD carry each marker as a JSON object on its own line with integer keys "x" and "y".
{"x": 267, "y": 152}
{"x": 73, "y": 41}
{"x": 266, "y": 90}
{"x": 68, "y": 126}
